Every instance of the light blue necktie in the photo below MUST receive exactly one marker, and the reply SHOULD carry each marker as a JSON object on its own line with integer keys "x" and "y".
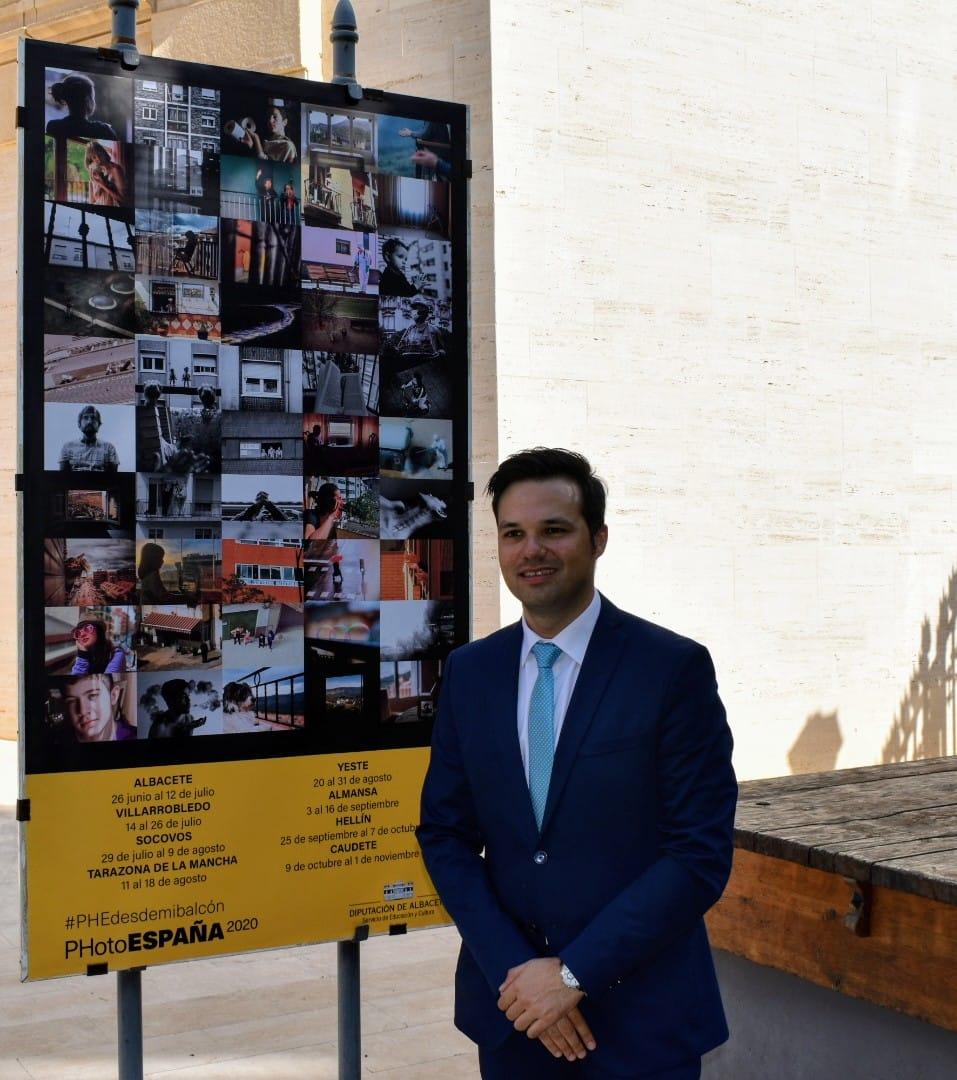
{"x": 541, "y": 727}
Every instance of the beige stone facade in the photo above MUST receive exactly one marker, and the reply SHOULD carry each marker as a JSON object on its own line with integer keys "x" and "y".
{"x": 717, "y": 254}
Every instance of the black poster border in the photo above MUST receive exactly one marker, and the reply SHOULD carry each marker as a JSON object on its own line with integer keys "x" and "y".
{"x": 35, "y": 57}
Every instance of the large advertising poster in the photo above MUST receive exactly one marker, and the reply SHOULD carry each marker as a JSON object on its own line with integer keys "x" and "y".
{"x": 244, "y": 445}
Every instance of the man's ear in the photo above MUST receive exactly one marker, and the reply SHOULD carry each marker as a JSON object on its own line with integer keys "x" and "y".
{"x": 599, "y": 541}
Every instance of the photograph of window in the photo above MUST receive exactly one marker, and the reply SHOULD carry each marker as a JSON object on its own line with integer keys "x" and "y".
{"x": 346, "y": 445}
{"x": 183, "y": 507}
{"x": 95, "y": 369}
{"x": 346, "y": 383}
{"x": 420, "y": 205}
{"x": 83, "y": 238}
{"x": 176, "y": 131}
{"x": 411, "y": 689}
{"x": 339, "y": 137}
{"x": 256, "y": 574}
{"x": 257, "y": 378}
{"x": 178, "y": 363}
{"x": 262, "y": 442}
{"x": 178, "y": 570}
{"x": 96, "y": 508}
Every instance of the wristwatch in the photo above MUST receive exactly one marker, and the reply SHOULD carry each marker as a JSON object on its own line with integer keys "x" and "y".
{"x": 569, "y": 979}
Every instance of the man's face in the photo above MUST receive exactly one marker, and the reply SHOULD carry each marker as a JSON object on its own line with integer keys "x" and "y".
{"x": 89, "y": 423}
{"x": 89, "y": 705}
{"x": 545, "y": 552}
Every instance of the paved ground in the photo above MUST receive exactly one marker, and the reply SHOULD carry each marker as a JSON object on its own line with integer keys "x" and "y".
{"x": 270, "y": 1016}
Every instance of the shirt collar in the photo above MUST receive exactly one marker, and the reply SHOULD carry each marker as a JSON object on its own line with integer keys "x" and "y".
{"x": 573, "y": 640}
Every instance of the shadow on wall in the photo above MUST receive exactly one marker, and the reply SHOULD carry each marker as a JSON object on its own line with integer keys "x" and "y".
{"x": 817, "y": 747}
{"x": 926, "y": 723}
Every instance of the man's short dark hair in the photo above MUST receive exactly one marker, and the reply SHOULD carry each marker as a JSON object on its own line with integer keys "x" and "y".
{"x": 547, "y": 463}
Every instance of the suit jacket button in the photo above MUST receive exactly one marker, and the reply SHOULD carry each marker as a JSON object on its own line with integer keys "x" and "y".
{"x": 540, "y": 858}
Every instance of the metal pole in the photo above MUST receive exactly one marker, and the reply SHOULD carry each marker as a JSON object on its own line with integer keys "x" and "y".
{"x": 129, "y": 1024}
{"x": 350, "y": 1026}
{"x": 344, "y": 37}
{"x": 123, "y": 40}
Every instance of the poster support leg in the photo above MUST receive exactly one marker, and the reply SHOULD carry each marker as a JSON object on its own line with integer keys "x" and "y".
{"x": 129, "y": 1025}
{"x": 350, "y": 1030}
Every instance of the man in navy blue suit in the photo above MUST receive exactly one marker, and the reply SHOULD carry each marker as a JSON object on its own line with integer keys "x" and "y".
{"x": 578, "y": 810}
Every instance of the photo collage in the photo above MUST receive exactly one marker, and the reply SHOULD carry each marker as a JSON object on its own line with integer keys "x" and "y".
{"x": 249, "y": 508}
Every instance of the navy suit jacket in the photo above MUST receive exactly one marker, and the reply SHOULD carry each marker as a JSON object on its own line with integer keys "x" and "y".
{"x": 635, "y": 843}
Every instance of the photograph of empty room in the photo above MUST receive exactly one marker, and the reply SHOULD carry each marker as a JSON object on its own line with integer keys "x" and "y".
{"x": 342, "y": 570}
{"x": 416, "y": 569}
{"x": 415, "y": 448}
{"x": 422, "y": 205}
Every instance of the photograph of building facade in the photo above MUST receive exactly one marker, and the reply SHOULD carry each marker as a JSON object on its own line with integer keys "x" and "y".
{"x": 262, "y": 442}
{"x": 253, "y": 573}
{"x": 261, "y": 379}
{"x": 174, "y": 116}
{"x": 180, "y": 362}
{"x": 178, "y": 507}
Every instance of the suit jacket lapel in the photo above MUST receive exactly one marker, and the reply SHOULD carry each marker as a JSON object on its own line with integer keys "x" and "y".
{"x": 601, "y": 657}
{"x": 502, "y": 696}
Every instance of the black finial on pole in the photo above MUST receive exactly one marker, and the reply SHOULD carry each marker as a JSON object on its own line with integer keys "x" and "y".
{"x": 344, "y": 36}
{"x": 122, "y": 45}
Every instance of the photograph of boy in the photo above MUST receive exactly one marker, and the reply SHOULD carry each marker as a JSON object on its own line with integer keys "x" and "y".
{"x": 175, "y": 707}
{"x": 414, "y": 330}
{"x": 92, "y": 708}
{"x": 264, "y": 128}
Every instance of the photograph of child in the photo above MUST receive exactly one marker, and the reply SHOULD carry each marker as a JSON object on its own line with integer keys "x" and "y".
{"x": 175, "y": 706}
{"x": 89, "y": 640}
{"x": 264, "y": 128}
{"x": 91, "y": 709}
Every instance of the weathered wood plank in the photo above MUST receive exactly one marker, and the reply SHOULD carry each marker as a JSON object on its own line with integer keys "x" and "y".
{"x": 790, "y": 917}
{"x": 893, "y": 826}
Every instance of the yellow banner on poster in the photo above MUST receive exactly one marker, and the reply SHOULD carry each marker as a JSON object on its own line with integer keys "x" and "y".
{"x": 138, "y": 867}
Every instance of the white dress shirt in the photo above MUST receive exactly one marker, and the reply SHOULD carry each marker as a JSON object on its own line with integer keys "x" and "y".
{"x": 573, "y": 641}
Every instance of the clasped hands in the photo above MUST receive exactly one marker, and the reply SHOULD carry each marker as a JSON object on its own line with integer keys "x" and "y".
{"x": 537, "y": 1002}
